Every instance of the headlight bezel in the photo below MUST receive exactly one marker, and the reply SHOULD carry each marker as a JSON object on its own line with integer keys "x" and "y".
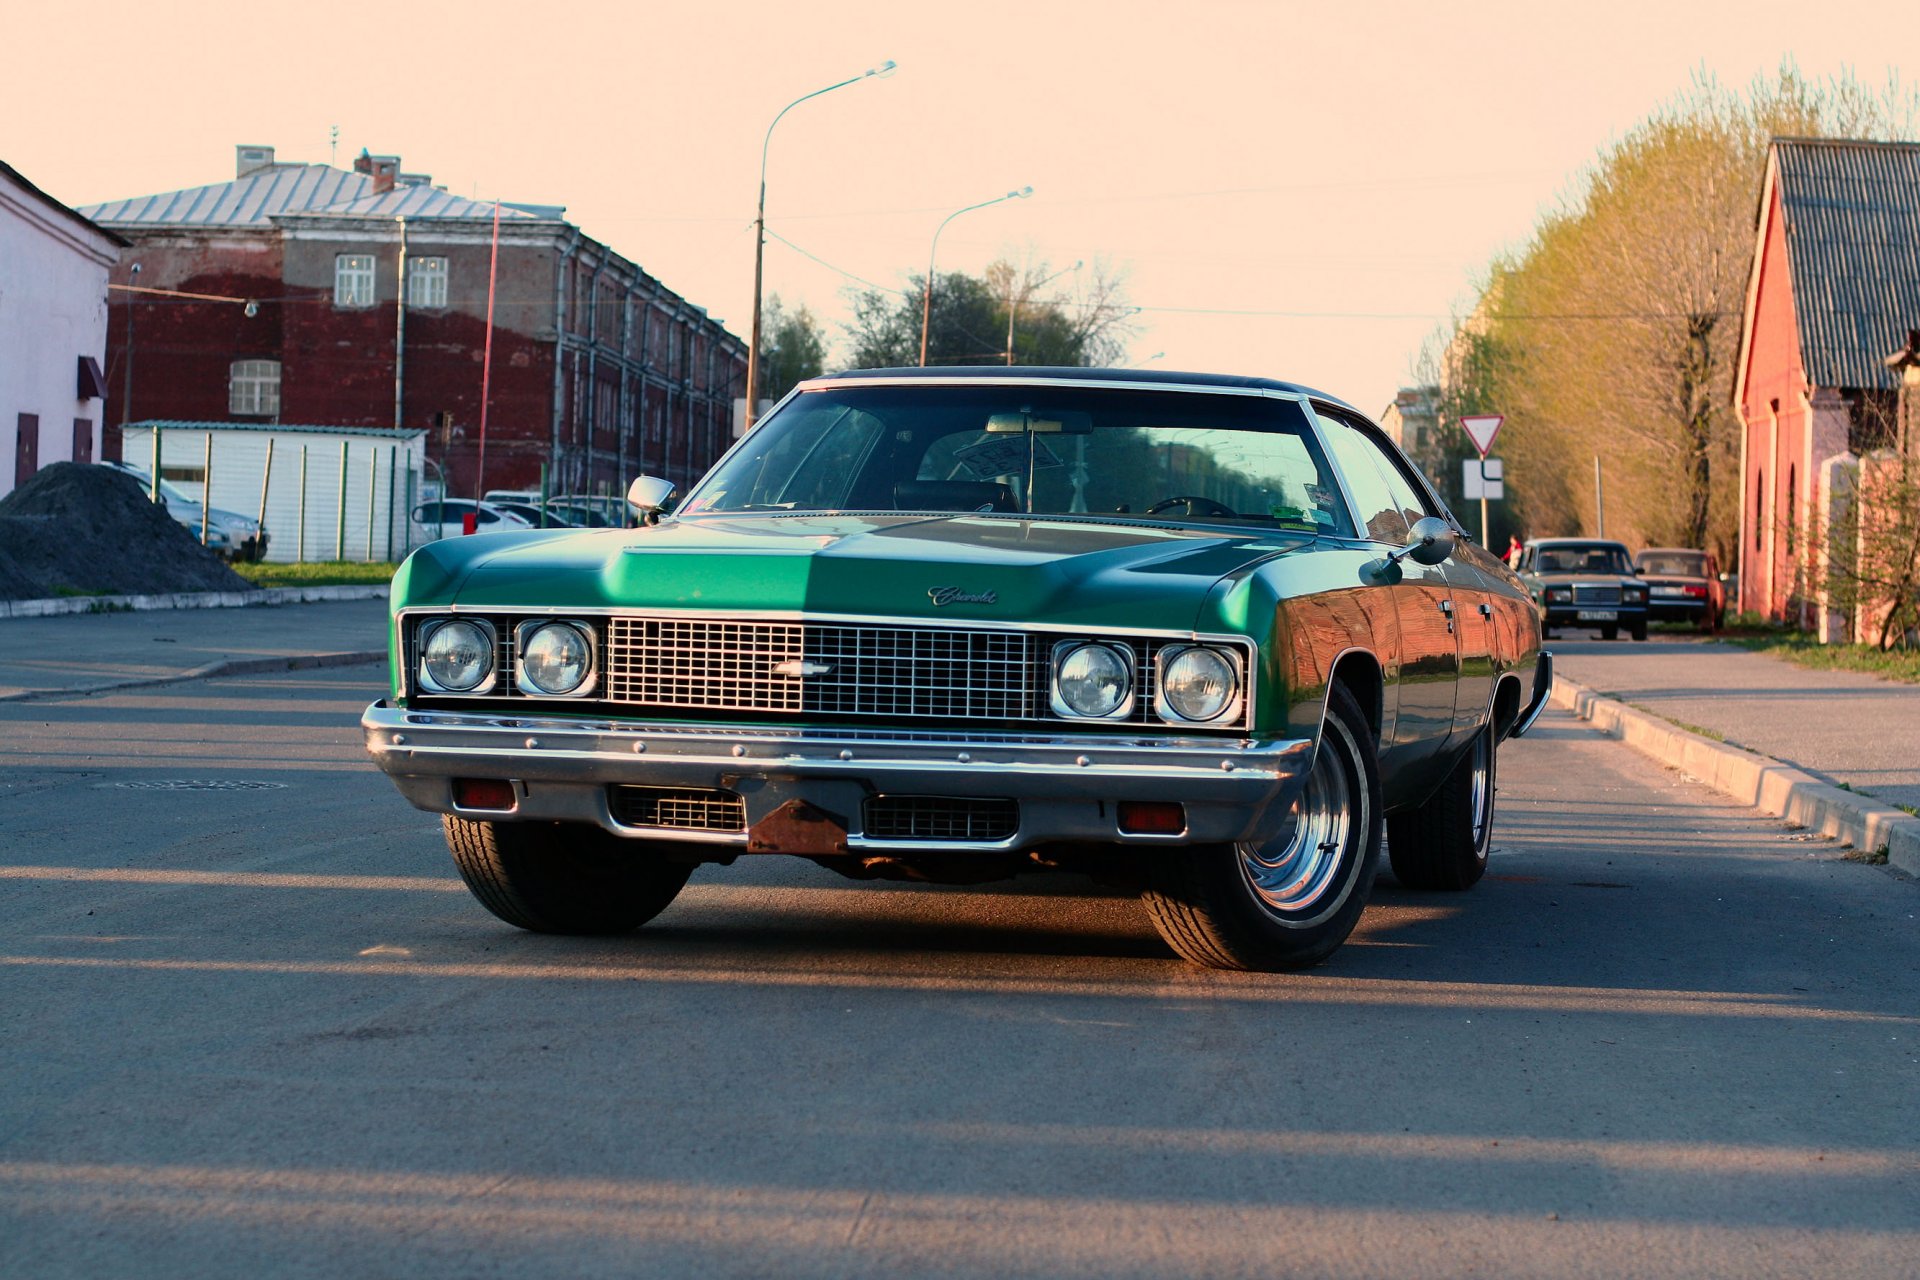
{"x": 1230, "y": 709}
{"x": 523, "y": 636}
{"x": 1064, "y": 650}
{"x": 423, "y": 638}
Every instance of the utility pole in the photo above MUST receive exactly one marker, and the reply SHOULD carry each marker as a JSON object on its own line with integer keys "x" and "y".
{"x": 1599, "y": 499}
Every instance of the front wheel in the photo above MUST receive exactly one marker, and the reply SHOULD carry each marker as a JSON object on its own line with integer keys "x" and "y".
{"x": 1288, "y": 903}
{"x": 1640, "y": 630}
{"x": 1610, "y": 633}
{"x": 561, "y": 877}
{"x": 1443, "y": 843}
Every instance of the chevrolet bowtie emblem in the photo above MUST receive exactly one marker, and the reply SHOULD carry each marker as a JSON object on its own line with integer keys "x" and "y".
{"x": 796, "y": 668}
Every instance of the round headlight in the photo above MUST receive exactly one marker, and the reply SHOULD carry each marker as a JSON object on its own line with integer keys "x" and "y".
{"x": 555, "y": 658}
{"x": 458, "y": 656}
{"x": 1198, "y": 684}
{"x": 1094, "y": 681}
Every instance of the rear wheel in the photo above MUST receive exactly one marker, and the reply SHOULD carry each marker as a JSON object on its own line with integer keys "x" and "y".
{"x": 560, "y": 877}
{"x": 1288, "y": 903}
{"x": 1443, "y": 844}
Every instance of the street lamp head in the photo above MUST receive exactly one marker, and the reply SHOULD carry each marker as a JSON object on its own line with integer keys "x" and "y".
{"x": 885, "y": 69}
{"x": 1021, "y": 194}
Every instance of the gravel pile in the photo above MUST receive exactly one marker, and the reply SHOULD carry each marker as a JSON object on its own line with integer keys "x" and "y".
{"x": 77, "y": 529}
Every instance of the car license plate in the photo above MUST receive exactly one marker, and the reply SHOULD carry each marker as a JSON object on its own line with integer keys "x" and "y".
{"x": 1598, "y": 615}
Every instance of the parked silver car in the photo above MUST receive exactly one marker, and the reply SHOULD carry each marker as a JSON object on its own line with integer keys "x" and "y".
{"x": 230, "y": 534}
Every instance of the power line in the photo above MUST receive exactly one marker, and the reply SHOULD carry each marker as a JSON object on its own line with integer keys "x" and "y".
{"x": 829, "y": 266}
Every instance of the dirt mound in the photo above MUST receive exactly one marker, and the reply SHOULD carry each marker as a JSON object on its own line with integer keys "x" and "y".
{"x": 78, "y": 529}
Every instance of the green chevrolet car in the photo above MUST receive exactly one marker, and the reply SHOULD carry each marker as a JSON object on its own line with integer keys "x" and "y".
{"x": 1210, "y": 637}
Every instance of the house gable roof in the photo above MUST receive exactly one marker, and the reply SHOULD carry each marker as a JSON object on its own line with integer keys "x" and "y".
{"x": 1852, "y": 213}
{"x": 284, "y": 189}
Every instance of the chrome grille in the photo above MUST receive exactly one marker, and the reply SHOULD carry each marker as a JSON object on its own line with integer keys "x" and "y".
{"x": 921, "y": 673}
{"x": 678, "y": 809}
{"x": 1583, "y": 594}
{"x": 940, "y": 818}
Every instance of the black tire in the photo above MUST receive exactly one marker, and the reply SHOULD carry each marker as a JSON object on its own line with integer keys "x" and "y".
{"x": 1443, "y": 844}
{"x": 555, "y": 877}
{"x": 1207, "y": 905}
{"x": 1610, "y": 633}
{"x": 1639, "y": 630}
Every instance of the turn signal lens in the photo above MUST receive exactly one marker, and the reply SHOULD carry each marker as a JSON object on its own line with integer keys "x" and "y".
{"x": 458, "y": 656}
{"x": 483, "y": 793}
{"x": 1152, "y": 817}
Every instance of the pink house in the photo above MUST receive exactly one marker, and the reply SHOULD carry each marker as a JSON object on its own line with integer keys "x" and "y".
{"x": 1835, "y": 288}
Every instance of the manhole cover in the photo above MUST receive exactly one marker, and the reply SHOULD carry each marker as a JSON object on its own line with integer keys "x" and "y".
{"x": 200, "y": 784}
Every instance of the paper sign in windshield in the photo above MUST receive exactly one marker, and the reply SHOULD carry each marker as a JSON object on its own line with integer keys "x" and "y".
{"x": 1005, "y": 457}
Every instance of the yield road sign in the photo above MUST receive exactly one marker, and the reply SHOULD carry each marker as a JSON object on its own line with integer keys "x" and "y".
{"x": 1482, "y": 428}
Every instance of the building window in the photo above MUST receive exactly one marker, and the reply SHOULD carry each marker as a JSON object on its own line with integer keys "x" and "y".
{"x": 426, "y": 282}
{"x": 353, "y": 280}
{"x": 253, "y": 388}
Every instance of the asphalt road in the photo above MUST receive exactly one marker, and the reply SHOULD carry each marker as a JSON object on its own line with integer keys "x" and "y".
{"x": 262, "y": 1030}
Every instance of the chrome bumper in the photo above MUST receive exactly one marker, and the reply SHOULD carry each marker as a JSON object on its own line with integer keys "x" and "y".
{"x": 1069, "y": 788}
{"x": 1542, "y": 690}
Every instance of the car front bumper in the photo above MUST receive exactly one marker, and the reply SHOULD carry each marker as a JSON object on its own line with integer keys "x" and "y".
{"x": 1568, "y": 615}
{"x": 1068, "y": 789}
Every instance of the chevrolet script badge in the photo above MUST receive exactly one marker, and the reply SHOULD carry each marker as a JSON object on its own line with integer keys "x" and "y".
{"x": 958, "y": 595}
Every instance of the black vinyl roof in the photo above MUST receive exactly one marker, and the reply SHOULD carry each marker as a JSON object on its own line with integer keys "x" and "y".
{"x": 1076, "y": 373}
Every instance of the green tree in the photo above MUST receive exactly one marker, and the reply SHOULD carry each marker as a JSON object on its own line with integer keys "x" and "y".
{"x": 792, "y": 348}
{"x": 967, "y": 323}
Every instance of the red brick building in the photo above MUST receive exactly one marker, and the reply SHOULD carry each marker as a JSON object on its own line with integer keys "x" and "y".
{"x": 598, "y": 369}
{"x": 1835, "y": 288}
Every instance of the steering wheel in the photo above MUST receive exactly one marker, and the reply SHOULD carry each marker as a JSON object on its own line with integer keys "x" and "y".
{"x": 1196, "y": 506}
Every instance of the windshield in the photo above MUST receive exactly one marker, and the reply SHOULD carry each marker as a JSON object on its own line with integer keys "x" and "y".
{"x": 1680, "y": 564}
{"x": 1575, "y": 558}
{"x": 1170, "y": 455}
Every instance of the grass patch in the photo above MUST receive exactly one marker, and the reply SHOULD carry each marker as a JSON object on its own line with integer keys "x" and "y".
{"x": 75, "y": 593}
{"x": 1803, "y": 648}
{"x": 315, "y": 573}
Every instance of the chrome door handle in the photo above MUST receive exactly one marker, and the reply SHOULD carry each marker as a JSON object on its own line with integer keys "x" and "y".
{"x": 1486, "y": 610}
{"x": 1446, "y": 607}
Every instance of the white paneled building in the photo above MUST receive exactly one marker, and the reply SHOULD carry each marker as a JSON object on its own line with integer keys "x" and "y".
{"x": 53, "y": 330}
{"x": 329, "y": 493}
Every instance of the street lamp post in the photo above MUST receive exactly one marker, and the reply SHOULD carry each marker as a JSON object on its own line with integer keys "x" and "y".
{"x": 926, "y": 295}
{"x": 1012, "y": 305}
{"x": 760, "y": 230}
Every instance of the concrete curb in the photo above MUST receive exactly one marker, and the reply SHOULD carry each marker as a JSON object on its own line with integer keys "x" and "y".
{"x": 1777, "y": 789}
{"x": 64, "y": 605}
{"x": 233, "y": 667}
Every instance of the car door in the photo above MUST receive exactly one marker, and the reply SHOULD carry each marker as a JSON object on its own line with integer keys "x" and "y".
{"x": 1421, "y": 674}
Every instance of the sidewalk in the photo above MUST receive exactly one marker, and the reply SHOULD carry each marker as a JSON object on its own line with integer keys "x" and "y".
{"x": 95, "y": 651}
{"x": 1840, "y": 726}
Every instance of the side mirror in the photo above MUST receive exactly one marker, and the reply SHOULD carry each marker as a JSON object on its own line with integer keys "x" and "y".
{"x": 1430, "y": 541}
{"x": 648, "y": 495}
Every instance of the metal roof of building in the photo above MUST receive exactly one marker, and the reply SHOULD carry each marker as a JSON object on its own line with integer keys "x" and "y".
{"x": 277, "y": 428}
{"x": 1852, "y": 213}
{"x": 290, "y": 189}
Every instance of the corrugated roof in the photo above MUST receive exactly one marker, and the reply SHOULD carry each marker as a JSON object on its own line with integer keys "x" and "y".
{"x": 277, "y": 428}
{"x": 292, "y": 189}
{"x": 1853, "y": 245}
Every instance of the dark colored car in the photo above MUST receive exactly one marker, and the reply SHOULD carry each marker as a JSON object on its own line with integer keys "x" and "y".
{"x": 1585, "y": 582}
{"x": 1683, "y": 585}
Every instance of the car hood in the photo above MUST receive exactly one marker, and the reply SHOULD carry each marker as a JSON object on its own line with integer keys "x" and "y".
{"x": 960, "y": 567}
{"x": 1586, "y": 579}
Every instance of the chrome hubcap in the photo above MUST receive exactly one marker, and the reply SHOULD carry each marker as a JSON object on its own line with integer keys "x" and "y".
{"x": 1294, "y": 871}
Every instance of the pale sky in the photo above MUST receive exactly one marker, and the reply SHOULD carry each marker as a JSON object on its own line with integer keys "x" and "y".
{"x": 1353, "y": 165}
